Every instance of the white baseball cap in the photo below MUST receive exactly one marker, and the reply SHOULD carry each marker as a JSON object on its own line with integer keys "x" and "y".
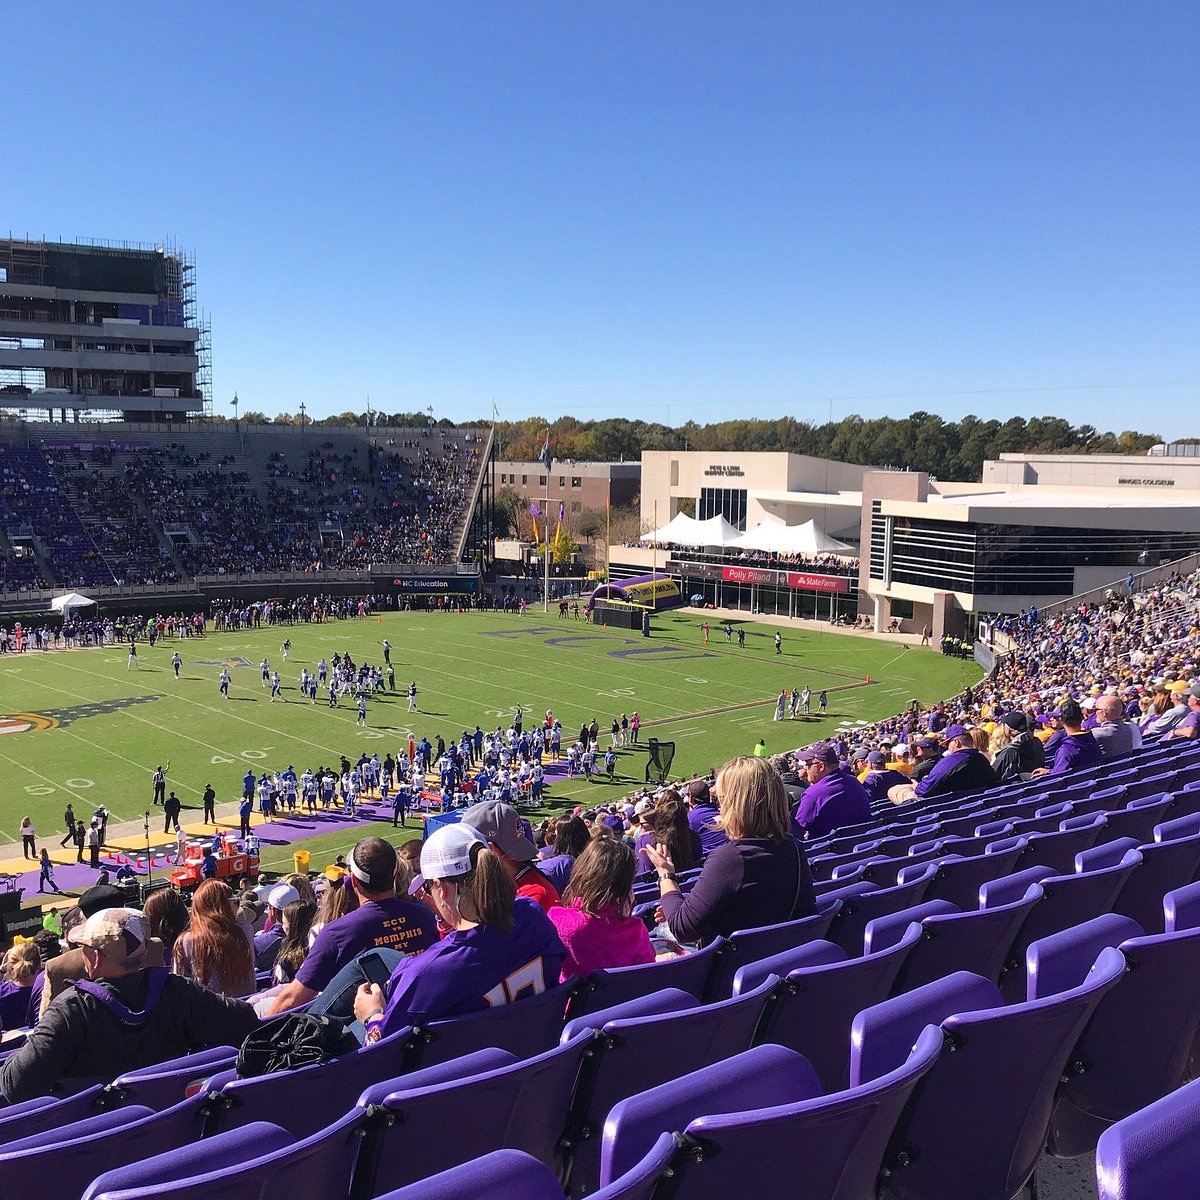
{"x": 446, "y": 854}
{"x": 281, "y": 895}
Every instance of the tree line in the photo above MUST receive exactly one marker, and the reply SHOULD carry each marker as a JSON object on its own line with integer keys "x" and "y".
{"x": 922, "y": 441}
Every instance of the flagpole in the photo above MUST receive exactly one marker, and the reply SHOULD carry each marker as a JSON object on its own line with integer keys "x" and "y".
{"x": 608, "y": 540}
{"x": 546, "y": 555}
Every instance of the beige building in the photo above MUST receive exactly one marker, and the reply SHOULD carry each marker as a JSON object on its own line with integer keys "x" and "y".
{"x": 746, "y": 488}
{"x": 1036, "y": 529}
{"x": 577, "y": 486}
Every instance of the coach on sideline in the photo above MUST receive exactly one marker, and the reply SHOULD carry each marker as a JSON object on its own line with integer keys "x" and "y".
{"x": 124, "y": 1015}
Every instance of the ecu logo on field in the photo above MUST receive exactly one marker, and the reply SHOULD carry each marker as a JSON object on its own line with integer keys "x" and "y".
{"x": 60, "y": 718}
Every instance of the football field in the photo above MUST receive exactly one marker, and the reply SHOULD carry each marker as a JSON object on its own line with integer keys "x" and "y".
{"x": 81, "y": 726}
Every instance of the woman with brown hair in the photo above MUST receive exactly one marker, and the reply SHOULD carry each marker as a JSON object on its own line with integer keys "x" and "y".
{"x": 666, "y": 824}
{"x": 297, "y": 921}
{"x": 216, "y": 950}
{"x": 167, "y": 917}
{"x": 499, "y": 948}
{"x": 595, "y": 920}
{"x": 569, "y": 838}
{"x": 759, "y": 877}
{"x": 339, "y": 899}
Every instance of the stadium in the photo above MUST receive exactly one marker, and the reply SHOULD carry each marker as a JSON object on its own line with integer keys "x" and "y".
{"x": 840, "y": 821}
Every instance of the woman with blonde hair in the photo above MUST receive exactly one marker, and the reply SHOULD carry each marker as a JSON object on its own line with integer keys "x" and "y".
{"x": 18, "y": 970}
{"x": 498, "y": 948}
{"x": 759, "y": 877}
{"x": 217, "y": 950}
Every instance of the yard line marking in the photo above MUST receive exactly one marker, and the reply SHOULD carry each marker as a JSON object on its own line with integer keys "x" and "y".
{"x": 46, "y": 779}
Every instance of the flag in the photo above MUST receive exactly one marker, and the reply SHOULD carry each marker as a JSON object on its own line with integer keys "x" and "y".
{"x": 561, "y": 512}
{"x": 533, "y": 508}
{"x": 536, "y": 539}
{"x": 545, "y": 455}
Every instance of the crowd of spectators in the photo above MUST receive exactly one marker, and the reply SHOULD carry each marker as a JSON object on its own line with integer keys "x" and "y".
{"x": 111, "y": 513}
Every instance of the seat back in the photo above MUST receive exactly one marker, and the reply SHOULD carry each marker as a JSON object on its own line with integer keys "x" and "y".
{"x": 858, "y": 912}
{"x": 839, "y": 1138}
{"x": 230, "y": 1102}
{"x": 502, "y": 1175}
{"x": 635, "y": 1054}
{"x": 815, "y": 1006}
{"x": 959, "y": 879}
{"x": 1136, "y": 1046}
{"x": 47, "y": 1112}
{"x": 759, "y": 1078}
{"x": 747, "y": 945}
{"x": 977, "y": 1122}
{"x": 1154, "y": 1153}
{"x": 258, "y": 1160}
{"x": 1057, "y": 850}
{"x": 1066, "y": 900}
{"x": 524, "y": 1028}
{"x": 980, "y": 941}
{"x": 167, "y": 1083}
{"x": 1166, "y": 865}
{"x": 1138, "y": 818}
{"x": 520, "y": 1105}
{"x": 603, "y": 989}
{"x": 70, "y": 1157}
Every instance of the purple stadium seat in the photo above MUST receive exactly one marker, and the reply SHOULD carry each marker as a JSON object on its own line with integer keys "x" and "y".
{"x": 520, "y": 1105}
{"x": 603, "y": 989}
{"x": 1066, "y": 900}
{"x": 1181, "y": 908}
{"x": 526, "y": 1028}
{"x": 978, "y": 941}
{"x": 260, "y": 1161}
{"x": 858, "y": 911}
{"x": 47, "y": 1112}
{"x": 503, "y": 1175}
{"x": 817, "y": 999}
{"x": 632, "y": 1054}
{"x": 1057, "y": 850}
{"x": 959, "y": 879}
{"x": 1138, "y": 818}
{"x": 1155, "y": 1153}
{"x": 976, "y": 1125}
{"x": 229, "y": 1102}
{"x": 167, "y": 1083}
{"x": 73, "y": 1155}
{"x": 747, "y": 945}
{"x": 834, "y": 1143}
{"x": 1136, "y": 1046}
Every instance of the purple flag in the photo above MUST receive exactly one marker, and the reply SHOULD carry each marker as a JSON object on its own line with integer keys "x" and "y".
{"x": 561, "y": 511}
{"x": 533, "y": 508}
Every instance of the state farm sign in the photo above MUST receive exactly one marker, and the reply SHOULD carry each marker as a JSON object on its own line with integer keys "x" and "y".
{"x": 817, "y": 583}
{"x": 748, "y": 575}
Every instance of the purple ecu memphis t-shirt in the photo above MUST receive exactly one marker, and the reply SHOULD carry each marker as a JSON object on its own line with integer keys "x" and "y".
{"x": 476, "y": 969}
{"x": 393, "y": 923}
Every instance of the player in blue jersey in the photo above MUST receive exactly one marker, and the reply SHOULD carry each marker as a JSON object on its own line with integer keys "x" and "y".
{"x": 276, "y": 687}
{"x": 224, "y": 688}
{"x": 177, "y": 663}
{"x": 265, "y": 668}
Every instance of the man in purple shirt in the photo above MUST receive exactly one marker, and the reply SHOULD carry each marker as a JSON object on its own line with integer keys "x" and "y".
{"x": 1078, "y": 749}
{"x": 833, "y": 797}
{"x": 703, "y": 816}
{"x": 961, "y": 769}
{"x": 381, "y": 921}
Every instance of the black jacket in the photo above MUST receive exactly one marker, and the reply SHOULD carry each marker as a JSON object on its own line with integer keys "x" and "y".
{"x": 81, "y": 1036}
{"x": 1021, "y": 756}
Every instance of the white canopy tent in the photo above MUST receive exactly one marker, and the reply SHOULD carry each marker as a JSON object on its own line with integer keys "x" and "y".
{"x": 683, "y": 530}
{"x": 777, "y": 538}
{"x": 68, "y": 603}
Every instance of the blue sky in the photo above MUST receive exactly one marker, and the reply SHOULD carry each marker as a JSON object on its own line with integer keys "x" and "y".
{"x": 665, "y": 210}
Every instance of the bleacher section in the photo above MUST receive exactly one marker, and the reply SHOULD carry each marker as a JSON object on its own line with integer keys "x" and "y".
{"x": 156, "y": 508}
{"x": 989, "y": 977}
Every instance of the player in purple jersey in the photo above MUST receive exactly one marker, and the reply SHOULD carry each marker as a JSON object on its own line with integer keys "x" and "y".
{"x": 498, "y": 949}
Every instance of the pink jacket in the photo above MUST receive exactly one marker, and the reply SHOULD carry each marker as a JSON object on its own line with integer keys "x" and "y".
{"x": 607, "y": 940}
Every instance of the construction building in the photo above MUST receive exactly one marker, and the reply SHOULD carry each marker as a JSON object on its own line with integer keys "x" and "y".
{"x": 100, "y": 331}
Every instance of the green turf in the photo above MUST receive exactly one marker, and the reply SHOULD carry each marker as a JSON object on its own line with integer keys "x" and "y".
{"x": 468, "y": 668}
